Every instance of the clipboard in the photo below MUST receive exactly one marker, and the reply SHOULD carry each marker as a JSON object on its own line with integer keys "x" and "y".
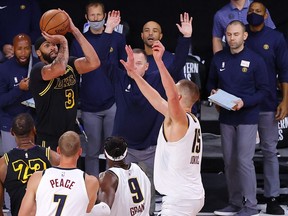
{"x": 224, "y": 99}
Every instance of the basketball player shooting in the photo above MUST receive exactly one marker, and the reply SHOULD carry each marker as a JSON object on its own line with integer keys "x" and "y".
{"x": 54, "y": 83}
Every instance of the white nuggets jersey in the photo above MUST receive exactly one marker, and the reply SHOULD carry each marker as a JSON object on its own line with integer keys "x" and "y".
{"x": 62, "y": 192}
{"x": 133, "y": 194}
{"x": 177, "y": 164}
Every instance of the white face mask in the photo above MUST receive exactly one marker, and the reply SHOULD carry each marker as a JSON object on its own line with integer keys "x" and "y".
{"x": 96, "y": 25}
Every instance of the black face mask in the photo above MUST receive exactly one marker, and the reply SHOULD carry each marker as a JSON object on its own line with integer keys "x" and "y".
{"x": 255, "y": 19}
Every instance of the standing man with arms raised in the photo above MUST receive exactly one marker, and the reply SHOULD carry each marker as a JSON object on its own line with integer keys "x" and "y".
{"x": 61, "y": 190}
{"x": 54, "y": 84}
{"x": 97, "y": 101}
{"x": 179, "y": 146}
{"x": 142, "y": 121}
{"x": 152, "y": 32}
{"x": 243, "y": 73}
{"x": 271, "y": 45}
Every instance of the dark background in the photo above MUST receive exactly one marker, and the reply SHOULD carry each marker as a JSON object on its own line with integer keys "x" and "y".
{"x": 166, "y": 12}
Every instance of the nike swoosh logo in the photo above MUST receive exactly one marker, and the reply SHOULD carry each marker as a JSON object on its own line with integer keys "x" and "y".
{"x": 222, "y": 69}
{"x": 2, "y": 7}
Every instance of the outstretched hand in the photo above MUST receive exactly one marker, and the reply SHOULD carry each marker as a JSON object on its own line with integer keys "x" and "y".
{"x": 186, "y": 25}
{"x": 113, "y": 20}
{"x": 129, "y": 64}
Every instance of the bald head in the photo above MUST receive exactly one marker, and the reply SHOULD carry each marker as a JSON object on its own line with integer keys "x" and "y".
{"x": 151, "y": 32}
{"x": 69, "y": 143}
{"x": 152, "y": 25}
{"x": 21, "y": 37}
{"x": 22, "y": 48}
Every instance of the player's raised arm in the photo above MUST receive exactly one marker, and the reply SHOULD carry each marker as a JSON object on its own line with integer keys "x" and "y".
{"x": 149, "y": 92}
{"x": 176, "y": 112}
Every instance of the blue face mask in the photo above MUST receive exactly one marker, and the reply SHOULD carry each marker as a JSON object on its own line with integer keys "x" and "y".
{"x": 96, "y": 25}
{"x": 255, "y": 19}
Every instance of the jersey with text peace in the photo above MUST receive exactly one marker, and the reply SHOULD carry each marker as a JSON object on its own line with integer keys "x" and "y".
{"x": 62, "y": 192}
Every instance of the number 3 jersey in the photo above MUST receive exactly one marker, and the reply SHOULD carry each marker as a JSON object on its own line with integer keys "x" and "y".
{"x": 177, "y": 164}
{"x": 133, "y": 194}
{"x": 56, "y": 100}
{"x": 62, "y": 191}
{"x": 21, "y": 164}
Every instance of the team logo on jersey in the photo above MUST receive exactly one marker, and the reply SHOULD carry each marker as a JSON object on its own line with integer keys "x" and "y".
{"x": 111, "y": 49}
{"x": 265, "y": 46}
{"x": 244, "y": 69}
{"x": 65, "y": 82}
{"x": 22, "y": 7}
{"x": 222, "y": 67}
{"x": 128, "y": 88}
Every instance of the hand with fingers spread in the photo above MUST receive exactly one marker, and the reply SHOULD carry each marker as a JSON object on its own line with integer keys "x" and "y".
{"x": 129, "y": 64}
{"x": 186, "y": 24}
{"x": 113, "y": 20}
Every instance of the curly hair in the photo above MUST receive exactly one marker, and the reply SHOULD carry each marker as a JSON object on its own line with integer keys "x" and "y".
{"x": 115, "y": 146}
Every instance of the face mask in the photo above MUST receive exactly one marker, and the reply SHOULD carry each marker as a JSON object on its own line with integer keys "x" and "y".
{"x": 96, "y": 25}
{"x": 255, "y": 19}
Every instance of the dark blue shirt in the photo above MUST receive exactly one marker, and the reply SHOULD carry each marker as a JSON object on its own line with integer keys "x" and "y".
{"x": 244, "y": 75}
{"x": 11, "y": 73}
{"x": 19, "y": 16}
{"x": 136, "y": 120}
{"x": 169, "y": 58}
{"x": 96, "y": 90}
{"x": 271, "y": 45}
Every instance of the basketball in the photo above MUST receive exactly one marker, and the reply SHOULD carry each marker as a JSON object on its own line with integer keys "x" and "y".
{"x": 54, "y": 22}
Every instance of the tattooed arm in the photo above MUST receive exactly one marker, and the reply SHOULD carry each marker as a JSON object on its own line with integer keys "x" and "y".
{"x": 58, "y": 66}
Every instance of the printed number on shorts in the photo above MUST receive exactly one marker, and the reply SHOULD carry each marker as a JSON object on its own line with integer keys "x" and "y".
{"x": 135, "y": 190}
{"x": 60, "y": 199}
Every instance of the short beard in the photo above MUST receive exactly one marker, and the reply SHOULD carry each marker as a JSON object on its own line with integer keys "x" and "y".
{"x": 47, "y": 58}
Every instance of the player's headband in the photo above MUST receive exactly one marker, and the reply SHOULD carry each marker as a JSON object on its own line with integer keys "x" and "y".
{"x": 119, "y": 158}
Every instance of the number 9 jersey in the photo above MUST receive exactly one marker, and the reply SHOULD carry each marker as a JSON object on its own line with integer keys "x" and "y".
{"x": 133, "y": 193}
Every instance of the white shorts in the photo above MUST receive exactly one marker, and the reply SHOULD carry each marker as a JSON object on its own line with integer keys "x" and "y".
{"x": 184, "y": 207}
